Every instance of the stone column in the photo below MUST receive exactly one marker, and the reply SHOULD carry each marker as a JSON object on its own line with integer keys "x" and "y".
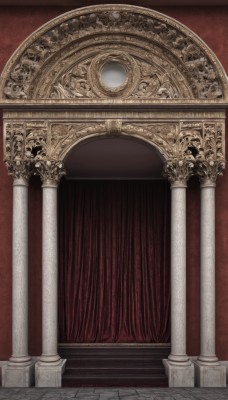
{"x": 179, "y": 368}
{"x": 19, "y": 371}
{"x": 50, "y": 367}
{"x": 209, "y": 372}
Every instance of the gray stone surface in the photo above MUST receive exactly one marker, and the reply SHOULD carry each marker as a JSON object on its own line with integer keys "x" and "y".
{"x": 49, "y": 375}
{"x": 210, "y": 375}
{"x": 179, "y": 376}
{"x": 114, "y": 394}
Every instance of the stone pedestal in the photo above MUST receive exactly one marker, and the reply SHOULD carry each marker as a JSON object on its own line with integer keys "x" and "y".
{"x": 210, "y": 375}
{"x": 14, "y": 375}
{"x": 179, "y": 375}
{"x": 49, "y": 375}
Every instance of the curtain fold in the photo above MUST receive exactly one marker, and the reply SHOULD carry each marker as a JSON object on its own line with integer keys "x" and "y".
{"x": 114, "y": 262}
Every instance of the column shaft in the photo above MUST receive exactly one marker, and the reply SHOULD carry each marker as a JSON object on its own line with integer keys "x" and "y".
{"x": 50, "y": 278}
{"x": 19, "y": 372}
{"x": 207, "y": 275}
{"x": 178, "y": 275}
{"x": 50, "y": 367}
{"x": 20, "y": 272}
{"x": 178, "y": 367}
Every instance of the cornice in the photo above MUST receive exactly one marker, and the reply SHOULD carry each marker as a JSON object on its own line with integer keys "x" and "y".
{"x": 145, "y": 3}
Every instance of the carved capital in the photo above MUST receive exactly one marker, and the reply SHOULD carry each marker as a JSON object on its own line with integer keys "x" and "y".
{"x": 19, "y": 169}
{"x": 209, "y": 170}
{"x": 178, "y": 171}
{"x": 50, "y": 172}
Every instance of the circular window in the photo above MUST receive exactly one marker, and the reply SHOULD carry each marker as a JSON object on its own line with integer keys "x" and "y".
{"x": 113, "y": 74}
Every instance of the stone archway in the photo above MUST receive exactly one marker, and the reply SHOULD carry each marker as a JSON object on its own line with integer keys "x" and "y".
{"x": 173, "y": 96}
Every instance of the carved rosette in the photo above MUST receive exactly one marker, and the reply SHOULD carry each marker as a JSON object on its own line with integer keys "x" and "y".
{"x": 208, "y": 171}
{"x": 19, "y": 169}
{"x": 50, "y": 171}
{"x": 178, "y": 172}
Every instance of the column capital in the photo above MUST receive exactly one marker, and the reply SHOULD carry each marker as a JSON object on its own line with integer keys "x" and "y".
{"x": 50, "y": 172}
{"x": 208, "y": 171}
{"x": 178, "y": 172}
{"x": 19, "y": 170}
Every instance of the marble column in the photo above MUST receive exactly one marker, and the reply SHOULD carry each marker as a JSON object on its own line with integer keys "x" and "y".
{"x": 19, "y": 371}
{"x": 50, "y": 367}
{"x": 209, "y": 371}
{"x": 179, "y": 368}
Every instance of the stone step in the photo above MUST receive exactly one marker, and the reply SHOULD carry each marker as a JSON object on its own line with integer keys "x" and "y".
{"x": 114, "y": 365}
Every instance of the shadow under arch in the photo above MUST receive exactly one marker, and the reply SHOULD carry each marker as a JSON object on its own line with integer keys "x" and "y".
{"x": 114, "y": 157}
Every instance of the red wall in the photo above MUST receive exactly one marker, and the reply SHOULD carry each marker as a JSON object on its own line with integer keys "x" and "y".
{"x": 211, "y": 24}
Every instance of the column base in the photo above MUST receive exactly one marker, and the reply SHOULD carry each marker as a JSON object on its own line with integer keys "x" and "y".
{"x": 18, "y": 375}
{"x": 49, "y": 375}
{"x": 179, "y": 376}
{"x": 210, "y": 375}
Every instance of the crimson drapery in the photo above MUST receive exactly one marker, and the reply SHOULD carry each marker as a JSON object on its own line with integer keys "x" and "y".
{"x": 114, "y": 262}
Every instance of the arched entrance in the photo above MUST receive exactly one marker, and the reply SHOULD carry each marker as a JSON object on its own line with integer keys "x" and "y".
{"x": 166, "y": 88}
{"x": 114, "y": 264}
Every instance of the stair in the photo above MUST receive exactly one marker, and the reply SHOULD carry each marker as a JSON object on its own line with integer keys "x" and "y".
{"x": 114, "y": 365}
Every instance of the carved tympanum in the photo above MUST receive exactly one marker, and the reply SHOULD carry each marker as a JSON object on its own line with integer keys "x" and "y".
{"x": 164, "y": 60}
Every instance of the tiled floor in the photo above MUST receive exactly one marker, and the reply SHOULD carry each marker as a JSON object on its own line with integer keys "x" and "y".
{"x": 114, "y": 394}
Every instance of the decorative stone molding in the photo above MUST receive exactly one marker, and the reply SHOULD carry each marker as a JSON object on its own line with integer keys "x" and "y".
{"x": 45, "y": 142}
{"x": 162, "y": 58}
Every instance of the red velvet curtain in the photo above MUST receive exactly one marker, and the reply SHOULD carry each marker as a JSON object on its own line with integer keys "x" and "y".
{"x": 114, "y": 262}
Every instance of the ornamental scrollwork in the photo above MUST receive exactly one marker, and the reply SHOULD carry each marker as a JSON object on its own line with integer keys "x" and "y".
{"x": 64, "y": 135}
{"x": 73, "y": 84}
{"x": 14, "y": 141}
{"x": 143, "y": 80}
{"x": 57, "y": 47}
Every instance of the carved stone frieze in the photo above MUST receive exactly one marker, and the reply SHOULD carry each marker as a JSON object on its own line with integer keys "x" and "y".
{"x": 53, "y": 58}
{"x": 187, "y": 147}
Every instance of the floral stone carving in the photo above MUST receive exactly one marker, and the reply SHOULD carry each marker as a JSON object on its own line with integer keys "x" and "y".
{"x": 53, "y": 57}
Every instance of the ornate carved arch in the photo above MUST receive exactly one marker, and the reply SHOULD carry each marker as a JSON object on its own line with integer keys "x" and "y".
{"x": 164, "y": 61}
{"x": 166, "y": 66}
